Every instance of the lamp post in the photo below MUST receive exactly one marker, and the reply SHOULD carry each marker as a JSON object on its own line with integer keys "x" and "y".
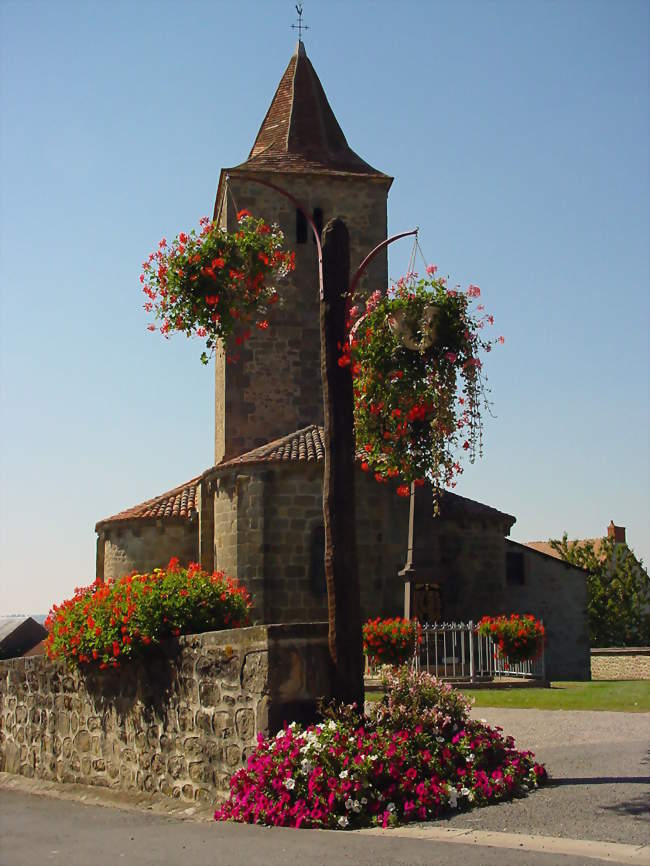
{"x": 341, "y": 572}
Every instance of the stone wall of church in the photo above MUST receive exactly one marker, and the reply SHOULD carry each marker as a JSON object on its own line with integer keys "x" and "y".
{"x": 274, "y": 389}
{"x": 268, "y": 525}
{"x": 137, "y": 545}
{"x": 268, "y": 533}
{"x": 179, "y": 724}
{"x": 556, "y": 592}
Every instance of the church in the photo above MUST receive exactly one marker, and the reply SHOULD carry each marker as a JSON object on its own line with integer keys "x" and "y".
{"x": 256, "y": 514}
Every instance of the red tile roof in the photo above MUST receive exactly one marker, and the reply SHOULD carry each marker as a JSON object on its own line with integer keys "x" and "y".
{"x": 303, "y": 446}
{"x": 177, "y": 503}
{"x": 545, "y": 547}
{"x": 300, "y": 132}
{"x": 308, "y": 446}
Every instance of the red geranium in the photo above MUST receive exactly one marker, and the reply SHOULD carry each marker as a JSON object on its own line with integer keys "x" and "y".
{"x": 519, "y": 638}
{"x": 211, "y": 283}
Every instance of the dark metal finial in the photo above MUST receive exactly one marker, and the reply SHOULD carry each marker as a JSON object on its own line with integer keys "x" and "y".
{"x": 299, "y": 26}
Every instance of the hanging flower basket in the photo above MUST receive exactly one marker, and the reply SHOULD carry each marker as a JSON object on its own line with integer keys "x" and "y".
{"x": 211, "y": 283}
{"x": 391, "y": 641}
{"x": 419, "y": 388}
{"x": 519, "y": 638}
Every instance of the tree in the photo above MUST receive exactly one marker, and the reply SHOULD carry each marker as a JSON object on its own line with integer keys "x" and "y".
{"x": 618, "y": 590}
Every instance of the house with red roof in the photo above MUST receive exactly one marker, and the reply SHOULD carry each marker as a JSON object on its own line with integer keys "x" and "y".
{"x": 256, "y": 514}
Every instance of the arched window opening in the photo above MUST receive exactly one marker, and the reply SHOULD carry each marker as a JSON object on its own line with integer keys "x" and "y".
{"x": 317, "y": 582}
{"x": 301, "y": 227}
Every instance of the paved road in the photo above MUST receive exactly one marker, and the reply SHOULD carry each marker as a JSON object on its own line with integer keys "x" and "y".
{"x": 41, "y": 831}
{"x": 600, "y": 766}
{"x": 599, "y": 761}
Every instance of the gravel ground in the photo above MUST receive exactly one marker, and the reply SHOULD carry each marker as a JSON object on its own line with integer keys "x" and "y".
{"x": 599, "y": 763}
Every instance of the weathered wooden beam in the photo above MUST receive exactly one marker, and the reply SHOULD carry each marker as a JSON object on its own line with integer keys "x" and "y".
{"x": 341, "y": 571}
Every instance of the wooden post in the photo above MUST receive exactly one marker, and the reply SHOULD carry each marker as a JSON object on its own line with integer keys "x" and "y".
{"x": 344, "y": 607}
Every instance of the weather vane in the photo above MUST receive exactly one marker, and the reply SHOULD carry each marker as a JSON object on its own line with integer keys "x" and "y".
{"x": 299, "y": 26}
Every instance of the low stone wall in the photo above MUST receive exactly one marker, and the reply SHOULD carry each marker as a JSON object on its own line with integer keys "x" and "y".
{"x": 620, "y": 663}
{"x": 179, "y": 724}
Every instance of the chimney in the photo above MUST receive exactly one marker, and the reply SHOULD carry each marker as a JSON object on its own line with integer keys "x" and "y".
{"x": 616, "y": 532}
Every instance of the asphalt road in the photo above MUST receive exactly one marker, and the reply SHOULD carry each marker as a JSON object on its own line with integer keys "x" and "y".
{"x": 41, "y": 831}
{"x": 599, "y": 762}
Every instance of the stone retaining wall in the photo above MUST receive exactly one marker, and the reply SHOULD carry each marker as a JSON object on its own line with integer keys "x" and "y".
{"x": 180, "y": 724}
{"x": 620, "y": 663}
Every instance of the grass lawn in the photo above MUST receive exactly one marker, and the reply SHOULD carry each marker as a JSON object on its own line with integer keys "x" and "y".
{"x": 624, "y": 697}
{"x": 627, "y": 697}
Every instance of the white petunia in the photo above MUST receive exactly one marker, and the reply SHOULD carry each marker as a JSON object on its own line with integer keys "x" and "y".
{"x": 391, "y": 807}
{"x": 349, "y": 803}
{"x": 343, "y": 821}
{"x": 289, "y": 784}
{"x": 343, "y": 774}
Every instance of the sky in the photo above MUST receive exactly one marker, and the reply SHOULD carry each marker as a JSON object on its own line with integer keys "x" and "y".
{"x": 517, "y": 134}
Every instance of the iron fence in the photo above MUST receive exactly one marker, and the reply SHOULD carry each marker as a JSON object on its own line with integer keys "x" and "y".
{"x": 456, "y": 651}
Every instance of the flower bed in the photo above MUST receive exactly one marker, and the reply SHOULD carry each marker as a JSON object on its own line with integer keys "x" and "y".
{"x": 210, "y": 283}
{"x": 520, "y": 638}
{"x": 107, "y": 623}
{"x": 415, "y": 755}
{"x": 418, "y": 385}
{"x": 391, "y": 641}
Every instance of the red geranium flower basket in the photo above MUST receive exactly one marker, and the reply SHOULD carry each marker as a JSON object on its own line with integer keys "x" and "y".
{"x": 519, "y": 638}
{"x": 391, "y": 641}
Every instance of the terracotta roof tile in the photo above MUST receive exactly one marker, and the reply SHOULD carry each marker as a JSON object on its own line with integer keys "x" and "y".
{"x": 303, "y": 446}
{"x": 300, "y": 132}
{"x": 308, "y": 446}
{"x": 177, "y": 503}
{"x": 545, "y": 547}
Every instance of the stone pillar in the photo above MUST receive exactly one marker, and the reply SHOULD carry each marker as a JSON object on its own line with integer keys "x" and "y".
{"x": 421, "y": 557}
{"x": 250, "y": 538}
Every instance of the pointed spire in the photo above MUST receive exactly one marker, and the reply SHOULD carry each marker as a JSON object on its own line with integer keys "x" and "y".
{"x": 300, "y": 131}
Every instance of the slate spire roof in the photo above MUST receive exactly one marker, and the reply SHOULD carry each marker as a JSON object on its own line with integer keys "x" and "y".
{"x": 300, "y": 131}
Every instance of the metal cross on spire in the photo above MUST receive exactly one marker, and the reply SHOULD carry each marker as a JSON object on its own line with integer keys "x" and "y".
{"x": 299, "y": 26}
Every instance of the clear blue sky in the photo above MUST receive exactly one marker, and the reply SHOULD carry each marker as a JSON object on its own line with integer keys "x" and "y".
{"x": 517, "y": 134}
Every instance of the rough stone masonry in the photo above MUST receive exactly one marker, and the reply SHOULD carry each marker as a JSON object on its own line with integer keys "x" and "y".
{"x": 179, "y": 723}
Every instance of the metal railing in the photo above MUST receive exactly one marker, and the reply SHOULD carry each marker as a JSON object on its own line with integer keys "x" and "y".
{"x": 456, "y": 651}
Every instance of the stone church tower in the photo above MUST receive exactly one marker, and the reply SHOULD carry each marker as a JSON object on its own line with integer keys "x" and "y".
{"x": 275, "y": 388}
{"x": 257, "y": 513}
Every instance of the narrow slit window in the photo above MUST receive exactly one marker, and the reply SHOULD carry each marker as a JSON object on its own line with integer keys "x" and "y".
{"x": 317, "y": 580}
{"x": 515, "y": 568}
{"x": 301, "y": 227}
